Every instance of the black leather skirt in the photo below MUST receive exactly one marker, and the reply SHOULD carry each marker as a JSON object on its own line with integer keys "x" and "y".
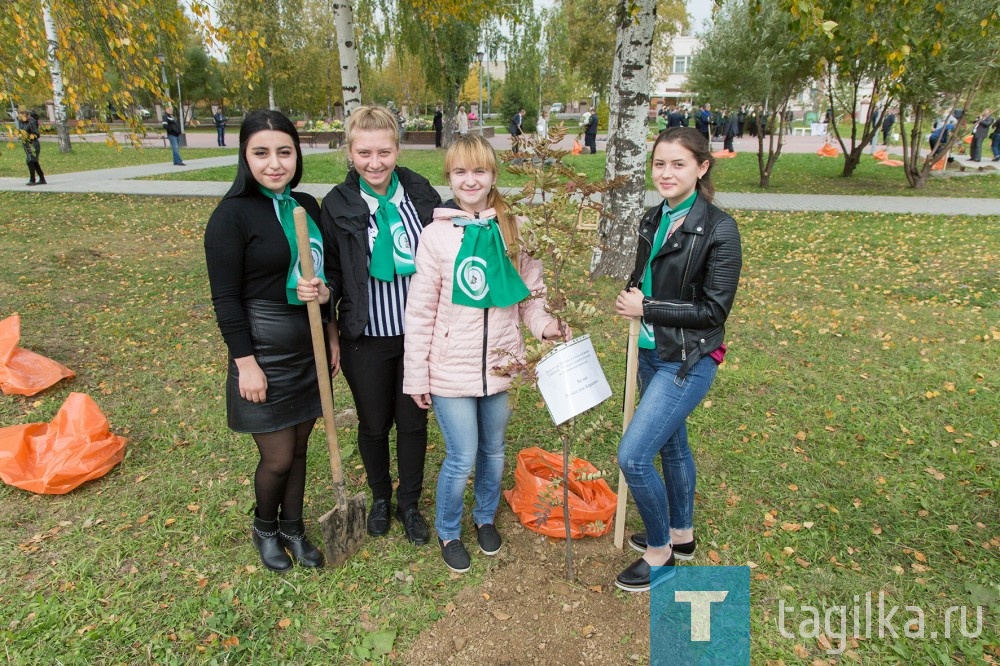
{"x": 283, "y": 348}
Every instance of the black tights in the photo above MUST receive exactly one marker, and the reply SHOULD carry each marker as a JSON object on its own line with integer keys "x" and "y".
{"x": 280, "y": 480}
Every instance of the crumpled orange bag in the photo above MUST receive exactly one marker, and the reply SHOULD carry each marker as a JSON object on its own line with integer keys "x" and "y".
{"x": 828, "y": 150}
{"x": 892, "y": 163}
{"x": 723, "y": 154}
{"x": 577, "y": 148}
{"x": 54, "y": 458}
{"x": 537, "y": 496}
{"x": 880, "y": 154}
{"x": 24, "y": 372}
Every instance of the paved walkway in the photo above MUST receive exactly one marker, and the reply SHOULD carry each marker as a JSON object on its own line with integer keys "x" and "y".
{"x": 123, "y": 181}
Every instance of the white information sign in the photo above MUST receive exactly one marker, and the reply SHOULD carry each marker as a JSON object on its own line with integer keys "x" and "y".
{"x": 571, "y": 380}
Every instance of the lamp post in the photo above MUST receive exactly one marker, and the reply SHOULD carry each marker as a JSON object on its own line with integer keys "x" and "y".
{"x": 479, "y": 57}
{"x": 180, "y": 104}
{"x": 163, "y": 73}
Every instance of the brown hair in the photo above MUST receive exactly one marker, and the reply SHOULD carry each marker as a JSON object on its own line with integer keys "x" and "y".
{"x": 694, "y": 141}
{"x": 370, "y": 118}
{"x": 472, "y": 151}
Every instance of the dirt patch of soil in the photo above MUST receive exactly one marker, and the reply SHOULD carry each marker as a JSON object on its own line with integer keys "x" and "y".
{"x": 526, "y": 612}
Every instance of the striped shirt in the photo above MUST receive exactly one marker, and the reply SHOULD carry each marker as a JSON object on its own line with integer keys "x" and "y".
{"x": 387, "y": 300}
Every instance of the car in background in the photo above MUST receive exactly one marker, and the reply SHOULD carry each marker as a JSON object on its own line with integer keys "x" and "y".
{"x": 143, "y": 112}
{"x": 558, "y": 107}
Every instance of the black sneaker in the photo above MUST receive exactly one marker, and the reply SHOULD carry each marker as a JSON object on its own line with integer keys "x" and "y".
{"x": 489, "y": 539}
{"x": 413, "y": 524}
{"x": 682, "y": 551}
{"x": 456, "y": 557}
{"x": 636, "y": 578}
{"x": 378, "y": 517}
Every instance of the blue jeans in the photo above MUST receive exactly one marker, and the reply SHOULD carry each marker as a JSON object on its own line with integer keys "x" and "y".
{"x": 659, "y": 426}
{"x": 174, "y": 140}
{"x": 473, "y": 430}
{"x": 220, "y": 135}
{"x": 995, "y": 146}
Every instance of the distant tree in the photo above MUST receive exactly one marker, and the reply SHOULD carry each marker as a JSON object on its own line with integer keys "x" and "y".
{"x": 753, "y": 55}
{"x": 522, "y": 85}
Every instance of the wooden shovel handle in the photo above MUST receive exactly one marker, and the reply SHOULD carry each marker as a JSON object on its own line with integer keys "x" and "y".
{"x": 631, "y": 382}
{"x": 319, "y": 349}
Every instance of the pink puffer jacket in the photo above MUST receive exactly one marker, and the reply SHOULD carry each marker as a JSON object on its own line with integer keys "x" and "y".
{"x": 451, "y": 350}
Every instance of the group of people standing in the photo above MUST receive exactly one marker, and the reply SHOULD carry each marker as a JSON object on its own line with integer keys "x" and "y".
{"x": 422, "y": 300}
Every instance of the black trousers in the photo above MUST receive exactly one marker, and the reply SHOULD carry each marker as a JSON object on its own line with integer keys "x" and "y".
{"x": 728, "y": 143}
{"x": 590, "y": 140}
{"x": 373, "y": 367}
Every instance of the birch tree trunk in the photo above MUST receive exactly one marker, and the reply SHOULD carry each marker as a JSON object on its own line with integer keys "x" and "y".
{"x": 55, "y": 69}
{"x": 629, "y": 104}
{"x": 350, "y": 78}
{"x": 270, "y": 95}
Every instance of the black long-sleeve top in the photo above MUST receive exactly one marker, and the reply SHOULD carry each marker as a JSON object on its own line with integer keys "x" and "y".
{"x": 248, "y": 257}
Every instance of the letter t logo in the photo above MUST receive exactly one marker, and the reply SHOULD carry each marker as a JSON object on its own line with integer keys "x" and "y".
{"x": 701, "y": 610}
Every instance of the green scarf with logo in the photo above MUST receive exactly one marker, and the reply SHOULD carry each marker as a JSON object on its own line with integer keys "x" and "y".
{"x": 484, "y": 275}
{"x": 670, "y": 216}
{"x": 284, "y": 206}
{"x": 391, "y": 251}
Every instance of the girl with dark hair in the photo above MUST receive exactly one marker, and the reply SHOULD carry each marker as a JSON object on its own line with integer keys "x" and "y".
{"x": 687, "y": 268}
{"x": 253, "y": 270}
{"x": 374, "y": 220}
{"x": 473, "y": 289}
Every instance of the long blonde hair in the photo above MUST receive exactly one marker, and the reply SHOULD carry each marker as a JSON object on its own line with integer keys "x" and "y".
{"x": 472, "y": 151}
{"x": 368, "y": 118}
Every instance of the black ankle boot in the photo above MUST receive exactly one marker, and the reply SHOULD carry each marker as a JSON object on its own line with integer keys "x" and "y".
{"x": 268, "y": 544}
{"x": 293, "y": 537}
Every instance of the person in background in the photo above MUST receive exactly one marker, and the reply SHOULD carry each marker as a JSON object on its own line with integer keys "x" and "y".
{"x": 472, "y": 291}
{"x": 687, "y": 270}
{"x": 542, "y": 126}
{"x": 27, "y": 126}
{"x": 173, "y": 130}
{"x": 516, "y": 130}
{"x": 995, "y": 145}
{"x": 462, "y": 121}
{"x": 220, "y": 126}
{"x": 590, "y": 133}
{"x": 979, "y": 132}
{"x": 438, "y": 123}
{"x": 271, "y": 390}
{"x": 374, "y": 220}
{"x": 888, "y": 120}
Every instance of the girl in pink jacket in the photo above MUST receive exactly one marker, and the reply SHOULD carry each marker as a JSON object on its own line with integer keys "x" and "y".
{"x": 472, "y": 289}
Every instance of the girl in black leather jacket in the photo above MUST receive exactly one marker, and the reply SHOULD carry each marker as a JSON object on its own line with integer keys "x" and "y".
{"x": 686, "y": 273}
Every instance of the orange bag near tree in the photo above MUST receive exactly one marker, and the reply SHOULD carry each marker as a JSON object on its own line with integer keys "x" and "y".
{"x": 577, "y": 148}
{"x": 24, "y": 372}
{"x": 537, "y": 496}
{"x": 54, "y": 458}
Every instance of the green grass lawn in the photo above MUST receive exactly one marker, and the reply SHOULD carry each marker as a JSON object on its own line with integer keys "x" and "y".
{"x": 849, "y": 445}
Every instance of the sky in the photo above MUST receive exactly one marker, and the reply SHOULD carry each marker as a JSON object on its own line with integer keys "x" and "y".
{"x": 699, "y": 10}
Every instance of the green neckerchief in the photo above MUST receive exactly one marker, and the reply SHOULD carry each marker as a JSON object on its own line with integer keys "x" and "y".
{"x": 670, "y": 216}
{"x": 284, "y": 205}
{"x": 484, "y": 275}
{"x": 391, "y": 251}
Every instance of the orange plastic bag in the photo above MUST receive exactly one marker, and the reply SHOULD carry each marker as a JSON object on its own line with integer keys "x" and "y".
{"x": 880, "y": 154}
{"x": 537, "y": 496}
{"x": 54, "y": 458}
{"x": 940, "y": 164}
{"x": 892, "y": 163}
{"x": 577, "y": 148}
{"x": 24, "y": 372}
{"x": 723, "y": 154}
{"x": 967, "y": 138}
{"x": 828, "y": 150}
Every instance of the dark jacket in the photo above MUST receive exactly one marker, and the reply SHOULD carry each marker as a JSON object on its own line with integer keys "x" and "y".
{"x": 170, "y": 124}
{"x": 438, "y": 120}
{"x": 591, "y": 128}
{"x": 344, "y": 220}
{"x": 695, "y": 276}
{"x": 219, "y": 119}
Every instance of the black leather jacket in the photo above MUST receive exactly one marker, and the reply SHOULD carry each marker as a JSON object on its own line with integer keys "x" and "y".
{"x": 344, "y": 220}
{"x": 695, "y": 276}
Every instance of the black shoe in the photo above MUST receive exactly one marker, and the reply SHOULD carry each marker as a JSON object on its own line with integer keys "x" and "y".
{"x": 683, "y": 551}
{"x": 378, "y": 517}
{"x": 456, "y": 557}
{"x": 975, "y": 160}
{"x": 31, "y": 183}
{"x": 265, "y": 539}
{"x": 292, "y": 534}
{"x": 414, "y": 525}
{"x": 489, "y": 539}
{"x": 996, "y": 159}
{"x": 636, "y": 577}
{"x": 43, "y": 182}
{"x": 179, "y": 164}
